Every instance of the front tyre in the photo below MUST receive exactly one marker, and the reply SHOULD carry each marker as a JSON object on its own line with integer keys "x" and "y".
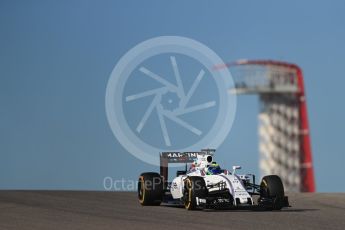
{"x": 150, "y": 189}
{"x": 272, "y": 188}
{"x": 194, "y": 187}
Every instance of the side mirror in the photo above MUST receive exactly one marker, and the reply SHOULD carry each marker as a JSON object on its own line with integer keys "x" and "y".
{"x": 234, "y": 168}
{"x": 209, "y": 159}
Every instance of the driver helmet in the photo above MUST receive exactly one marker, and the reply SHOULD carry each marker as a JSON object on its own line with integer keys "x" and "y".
{"x": 213, "y": 169}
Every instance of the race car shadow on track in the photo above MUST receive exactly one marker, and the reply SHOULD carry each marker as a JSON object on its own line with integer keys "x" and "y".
{"x": 244, "y": 209}
{"x": 258, "y": 210}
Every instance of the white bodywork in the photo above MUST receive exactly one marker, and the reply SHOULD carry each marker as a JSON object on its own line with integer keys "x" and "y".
{"x": 233, "y": 182}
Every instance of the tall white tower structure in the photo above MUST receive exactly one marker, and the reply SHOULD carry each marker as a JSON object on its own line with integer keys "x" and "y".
{"x": 284, "y": 141}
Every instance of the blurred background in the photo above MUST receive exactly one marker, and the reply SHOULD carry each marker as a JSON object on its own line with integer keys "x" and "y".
{"x": 56, "y": 58}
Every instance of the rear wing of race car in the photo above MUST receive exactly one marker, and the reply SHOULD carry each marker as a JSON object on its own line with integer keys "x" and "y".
{"x": 167, "y": 158}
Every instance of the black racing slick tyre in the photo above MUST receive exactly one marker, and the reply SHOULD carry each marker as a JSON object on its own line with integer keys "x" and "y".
{"x": 193, "y": 187}
{"x": 272, "y": 187}
{"x": 150, "y": 189}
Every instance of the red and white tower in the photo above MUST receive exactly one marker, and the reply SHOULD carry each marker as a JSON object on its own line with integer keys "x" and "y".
{"x": 284, "y": 137}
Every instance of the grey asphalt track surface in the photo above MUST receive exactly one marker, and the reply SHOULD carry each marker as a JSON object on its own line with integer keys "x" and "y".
{"x": 121, "y": 210}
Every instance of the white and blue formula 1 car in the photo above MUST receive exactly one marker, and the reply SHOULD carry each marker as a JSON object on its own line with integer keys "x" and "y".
{"x": 207, "y": 186}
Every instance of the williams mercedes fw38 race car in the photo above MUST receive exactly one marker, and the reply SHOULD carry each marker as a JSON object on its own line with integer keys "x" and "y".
{"x": 205, "y": 185}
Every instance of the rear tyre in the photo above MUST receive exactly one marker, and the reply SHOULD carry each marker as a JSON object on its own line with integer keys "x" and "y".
{"x": 193, "y": 187}
{"x": 150, "y": 189}
{"x": 271, "y": 187}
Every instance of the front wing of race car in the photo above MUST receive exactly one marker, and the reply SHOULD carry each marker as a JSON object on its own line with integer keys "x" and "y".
{"x": 222, "y": 199}
{"x": 221, "y": 195}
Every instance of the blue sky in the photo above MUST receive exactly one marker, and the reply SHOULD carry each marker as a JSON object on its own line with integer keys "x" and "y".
{"x": 56, "y": 58}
